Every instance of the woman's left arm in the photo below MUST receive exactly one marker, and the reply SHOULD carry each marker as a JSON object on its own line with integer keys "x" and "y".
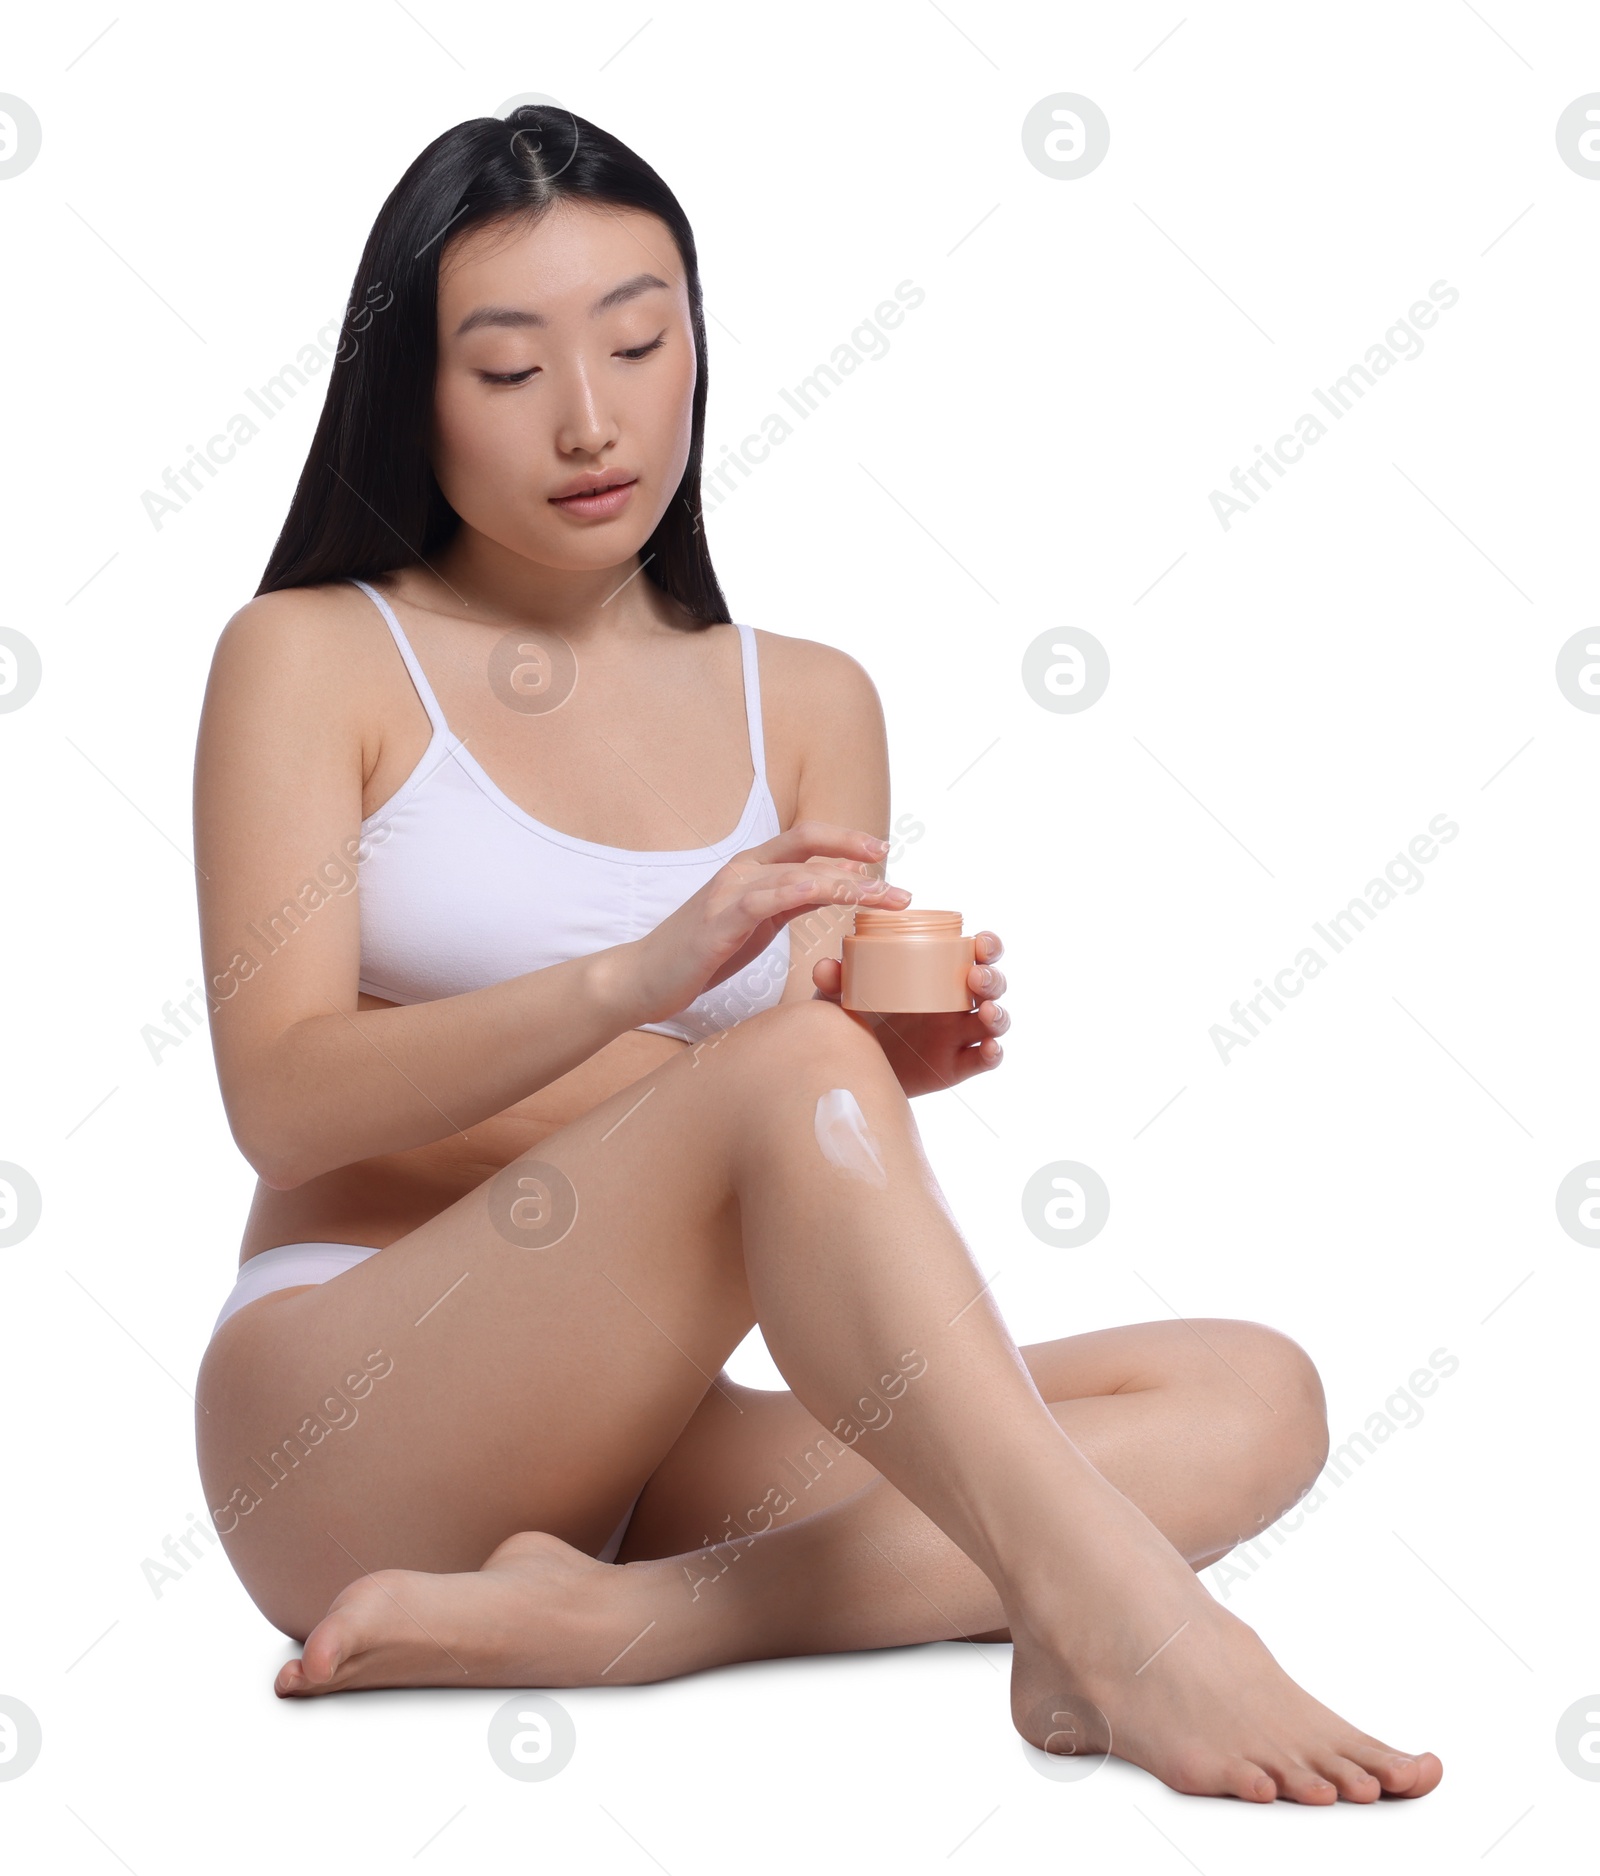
{"x": 844, "y": 777}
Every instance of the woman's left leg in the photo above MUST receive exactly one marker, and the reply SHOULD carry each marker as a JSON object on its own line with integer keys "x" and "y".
{"x": 783, "y": 1540}
{"x": 759, "y": 1535}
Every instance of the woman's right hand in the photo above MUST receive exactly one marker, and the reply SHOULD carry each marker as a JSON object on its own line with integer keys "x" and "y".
{"x": 737, "y": 913}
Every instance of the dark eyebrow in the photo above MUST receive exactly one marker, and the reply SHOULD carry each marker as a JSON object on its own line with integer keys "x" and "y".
{"x": 519, "y": 316}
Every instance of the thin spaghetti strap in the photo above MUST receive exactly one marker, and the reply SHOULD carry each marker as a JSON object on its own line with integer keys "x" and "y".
{"x": 430, "y": 703}
{"x": 752, "y": 702}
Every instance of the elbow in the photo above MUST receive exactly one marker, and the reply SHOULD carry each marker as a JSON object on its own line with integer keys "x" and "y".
{"x": 277, "y": 1176}
{"x": 274, "y": 1159}
{"x": 280, "y": 1127}
{"x": 277, "y": 1171}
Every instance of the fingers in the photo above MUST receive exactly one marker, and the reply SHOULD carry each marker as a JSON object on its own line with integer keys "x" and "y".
{"x": 827, "y": 978}
{"x": 985, "y": 980}
{"x": 985, "y": 1026}
{"x": 975, "y": 1060}
{"x": 982, "y": 1055}
{"x": 782, "y": 891}
{"x": 977, "y": 1030}
{"x": 994, "y": 1022}
{"x": 973, "y": 1037}
{"x": 807, "y": 839}
{"x": 987, "y": 983}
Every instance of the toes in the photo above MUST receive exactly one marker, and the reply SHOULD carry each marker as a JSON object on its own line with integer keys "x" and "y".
{"x": 359, "y": 1619}
{"x": 1355, "y": 1782}
{"x": 293, "y": 1678}
{"x": 1398, "y": 1774}
{"x": 1201, "y": 1776}
{"x": 1245, "y": 1779}
{"x": 1301, "y": 1784}
{"x": 325, "y": 1649}
{"x": 1409, "y": 1778}
{"x": 1431, "y": 1771}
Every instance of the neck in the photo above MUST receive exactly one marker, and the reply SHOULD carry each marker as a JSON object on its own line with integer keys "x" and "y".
{"x": 476, "y": 578}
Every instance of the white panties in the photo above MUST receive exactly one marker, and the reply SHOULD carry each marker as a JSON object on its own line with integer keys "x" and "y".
{"x": 286, "y": 1264}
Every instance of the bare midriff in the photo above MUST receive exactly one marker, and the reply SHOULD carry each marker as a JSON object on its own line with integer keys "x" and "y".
{"x": 375, "y": 1201}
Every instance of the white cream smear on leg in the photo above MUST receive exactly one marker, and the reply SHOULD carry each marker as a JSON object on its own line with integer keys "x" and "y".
{"x": 846, "y": 1139}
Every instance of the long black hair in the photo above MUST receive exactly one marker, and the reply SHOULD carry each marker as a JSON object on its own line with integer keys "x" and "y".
{"x": 367, "y": 500}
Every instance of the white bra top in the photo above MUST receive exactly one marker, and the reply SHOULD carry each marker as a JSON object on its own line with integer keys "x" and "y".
{"x": 460, "y": 889}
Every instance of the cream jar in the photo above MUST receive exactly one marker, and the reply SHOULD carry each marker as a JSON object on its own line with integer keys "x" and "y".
{"x": 906, "y": 962}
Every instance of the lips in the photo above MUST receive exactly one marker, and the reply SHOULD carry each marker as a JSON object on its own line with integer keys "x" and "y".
{"x": 600, "y": 500}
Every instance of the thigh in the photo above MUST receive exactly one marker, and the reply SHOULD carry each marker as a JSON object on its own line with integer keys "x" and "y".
{"x": 415, "y": 1410}
{"x": 751, "y": 1458}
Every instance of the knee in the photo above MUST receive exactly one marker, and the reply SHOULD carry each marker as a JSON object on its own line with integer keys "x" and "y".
{"x": 1293, "y": 1438}
{"x": 811, "y": 1031}
{"x": 782, "y": 1060}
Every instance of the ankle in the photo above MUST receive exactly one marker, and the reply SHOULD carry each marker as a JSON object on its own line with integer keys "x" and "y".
{"x": 669, "y": 1616}
{"x": 1094, "y": 1545}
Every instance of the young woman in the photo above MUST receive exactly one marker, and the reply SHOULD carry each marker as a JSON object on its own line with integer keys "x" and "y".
{"x": 547, "y": 1116}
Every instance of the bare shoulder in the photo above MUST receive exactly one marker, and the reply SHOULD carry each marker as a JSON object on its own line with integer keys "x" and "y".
{"x": 313, "y": 629}
{"x": 826, "y": 718}
{"x": 816, "y": 679}
{"x": 319, "y": 653}
{"x": 831, "y": 729}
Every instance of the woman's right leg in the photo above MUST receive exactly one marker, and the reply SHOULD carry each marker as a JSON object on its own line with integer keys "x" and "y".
{"x": 524, "y": 1395}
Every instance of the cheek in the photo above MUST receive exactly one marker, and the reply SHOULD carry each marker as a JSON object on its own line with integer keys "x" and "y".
{"x": 478, "y": 457}
{"x": 464, "y": 431}
{"x": 669, "y": 416}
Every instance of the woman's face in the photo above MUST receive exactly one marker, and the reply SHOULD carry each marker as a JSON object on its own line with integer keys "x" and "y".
{"x": 565, "y": 356}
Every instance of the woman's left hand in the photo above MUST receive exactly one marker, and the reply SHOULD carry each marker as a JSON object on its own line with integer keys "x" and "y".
{"x": 932, "y": 1050}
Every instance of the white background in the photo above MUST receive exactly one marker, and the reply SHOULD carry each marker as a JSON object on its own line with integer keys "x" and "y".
{"x": 1292, "y": 699}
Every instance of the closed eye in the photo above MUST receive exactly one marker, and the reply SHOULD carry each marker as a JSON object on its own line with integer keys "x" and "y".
{"x": 521, "y": 377}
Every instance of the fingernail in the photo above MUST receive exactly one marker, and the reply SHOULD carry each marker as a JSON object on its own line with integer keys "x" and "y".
{"x": 882, "y": 846}
{"x": 988, "y": 976}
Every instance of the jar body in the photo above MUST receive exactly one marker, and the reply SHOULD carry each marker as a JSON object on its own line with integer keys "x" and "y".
{"x": 905, "y": 963}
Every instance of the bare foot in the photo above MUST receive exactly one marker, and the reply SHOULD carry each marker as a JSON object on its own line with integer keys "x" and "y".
{"x": 538, "y": 1614}
{"x": 1128, "y": 1653}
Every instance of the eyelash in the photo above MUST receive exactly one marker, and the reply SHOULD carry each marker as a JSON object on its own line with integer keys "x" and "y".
{"x": 521, "y": 377}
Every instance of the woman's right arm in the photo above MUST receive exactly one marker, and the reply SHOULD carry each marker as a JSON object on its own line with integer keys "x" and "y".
{"x": 309, "y": 1081}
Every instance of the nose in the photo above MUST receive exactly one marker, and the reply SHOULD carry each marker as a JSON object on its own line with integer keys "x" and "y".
{"x": 583, "y": 426}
